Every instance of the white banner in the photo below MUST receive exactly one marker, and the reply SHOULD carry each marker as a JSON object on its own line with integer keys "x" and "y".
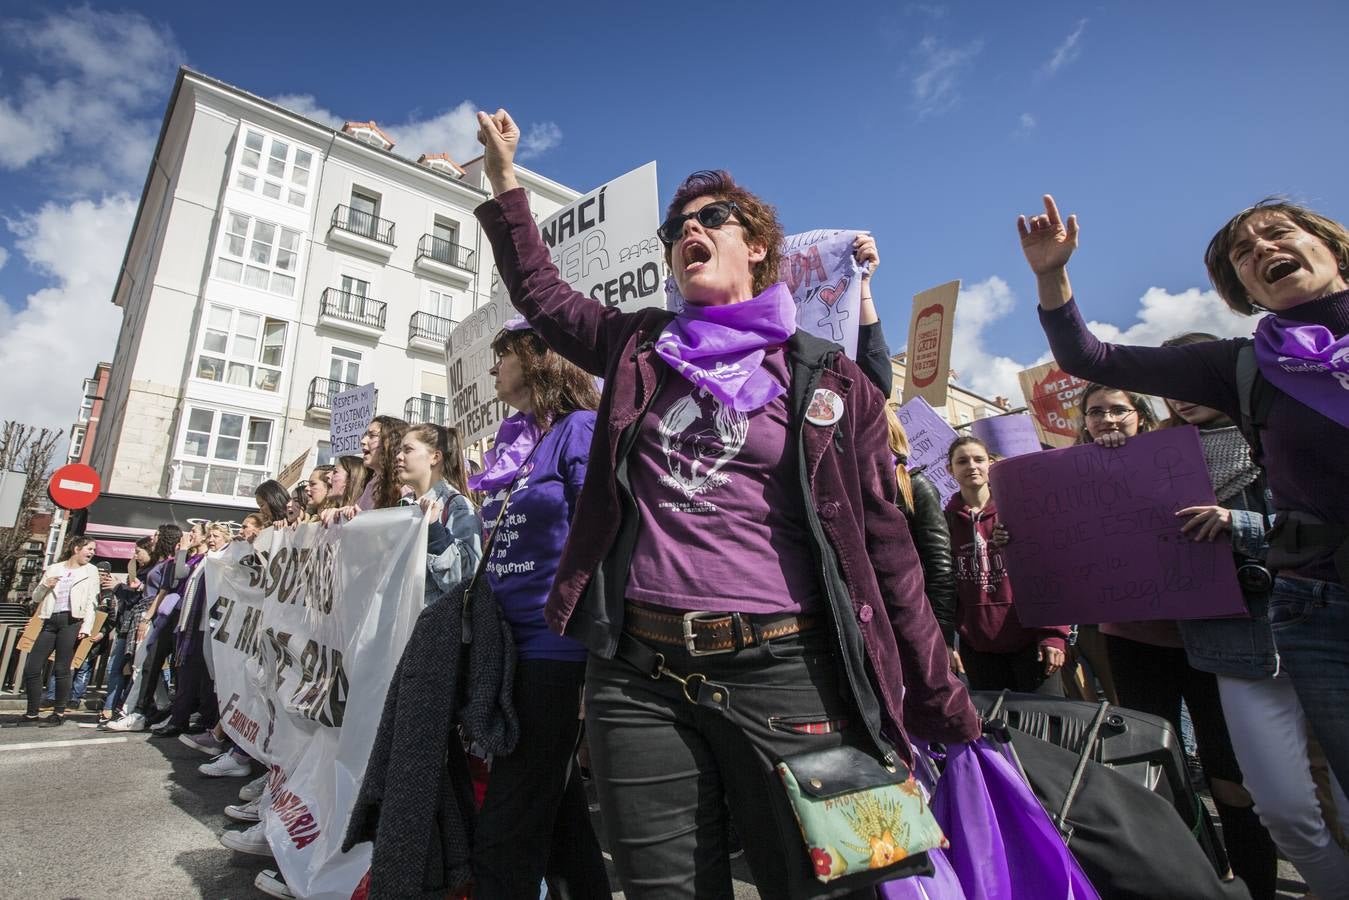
{"x": 308, "y": 627}
{"x": 605, "y": 246}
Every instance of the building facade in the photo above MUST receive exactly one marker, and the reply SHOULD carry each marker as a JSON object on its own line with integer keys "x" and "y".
{"x": 274, "y": 262}
{"x": 963, "y": 405}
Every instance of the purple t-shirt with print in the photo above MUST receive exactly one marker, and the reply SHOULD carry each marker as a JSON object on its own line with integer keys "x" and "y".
{"x": 723, "y": 527}
{"x": 525, "y": 554}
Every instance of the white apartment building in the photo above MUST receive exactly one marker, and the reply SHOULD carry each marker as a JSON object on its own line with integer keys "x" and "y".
{"x": 275, "y": 261}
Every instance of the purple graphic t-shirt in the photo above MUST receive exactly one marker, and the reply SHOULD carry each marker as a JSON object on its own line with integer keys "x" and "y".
{"x": 526, "y": 552}
{"x": 722, "y": 526}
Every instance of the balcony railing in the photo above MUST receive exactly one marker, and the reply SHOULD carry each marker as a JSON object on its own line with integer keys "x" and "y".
{"x": 349, "y": 307}
{"x": 419, "y": 409}
{"x": 447, "y": 252}
{"x": 323, "y": 391}
{"x": 425, "y": 326}
{"x": 363, "y": 223}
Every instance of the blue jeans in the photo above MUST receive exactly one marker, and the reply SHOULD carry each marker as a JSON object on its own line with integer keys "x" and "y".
{"x": 1311, "y": 629}
{"x": 117, "y": 683}
{"x": 79, "y": 685}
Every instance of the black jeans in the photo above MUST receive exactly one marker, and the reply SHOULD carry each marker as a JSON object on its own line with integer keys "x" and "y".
{"x": 156, "y": 655}
{"x": 61, "y": 632}
{"x": 535, "y": 822}
{"x": 667, "y": 770}
{"x": 1019, "y": 671}
{"x": 193, "y": 690}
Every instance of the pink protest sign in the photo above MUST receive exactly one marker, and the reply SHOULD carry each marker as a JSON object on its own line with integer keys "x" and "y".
{"x": 1007, "y": 436}
{"x": 1095, "y": 536}
{"x": 929, "y": 438}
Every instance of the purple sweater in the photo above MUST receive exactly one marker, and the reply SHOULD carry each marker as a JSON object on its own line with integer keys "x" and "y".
{"x": 1303, "y": 450}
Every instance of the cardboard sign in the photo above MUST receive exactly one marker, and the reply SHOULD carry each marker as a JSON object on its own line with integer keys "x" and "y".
{"x": 1095, "y": 536}
{"x": 928, "y": 363}
{"x": 1052, "y": 395}
{"x": 352, "y": 412}
{"x": 930, "y": 436}
{"x": 1007, "y": 436}
{"x": 605, "y": 246}
{"x": 819, "y": 269}
{"x": 291, "y": 473}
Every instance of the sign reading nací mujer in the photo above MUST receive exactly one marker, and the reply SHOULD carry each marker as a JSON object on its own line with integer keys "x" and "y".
{"x": 307, "y": 626}
{"x": 605, "y": 246}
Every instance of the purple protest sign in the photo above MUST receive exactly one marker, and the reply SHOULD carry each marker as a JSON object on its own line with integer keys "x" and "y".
{"x": 929, "y": 438}
{"x": 1007, "y": 436}
{"x": 825, "y": 280}
{"x": 1095, "y": 537}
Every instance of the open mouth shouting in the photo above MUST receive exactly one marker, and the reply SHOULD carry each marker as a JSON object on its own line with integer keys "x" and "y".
{"x": 695, "y": 253}
{"x": 1277, "y": 268}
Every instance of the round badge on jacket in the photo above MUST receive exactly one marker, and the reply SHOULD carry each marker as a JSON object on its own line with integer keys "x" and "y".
{"x": 825, "y": 408}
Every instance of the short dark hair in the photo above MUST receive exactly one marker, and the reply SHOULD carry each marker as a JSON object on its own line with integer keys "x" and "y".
{"x": 759, "y": 219}
{"x": 1217, "y": 257}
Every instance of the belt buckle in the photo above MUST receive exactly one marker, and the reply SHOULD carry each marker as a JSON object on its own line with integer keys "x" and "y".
{"x": 690, "y": 637}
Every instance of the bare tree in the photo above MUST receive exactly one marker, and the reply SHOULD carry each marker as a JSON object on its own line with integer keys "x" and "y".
{"x": 26, "y": 449}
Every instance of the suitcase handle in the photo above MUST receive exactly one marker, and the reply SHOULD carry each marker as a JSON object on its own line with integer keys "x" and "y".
{"x": 1084, "y": 756}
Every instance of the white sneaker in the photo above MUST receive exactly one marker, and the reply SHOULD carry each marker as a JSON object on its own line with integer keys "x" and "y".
{"x": 253, "y": 790}
{"x": 270, "y": 882}
{"x": 243, "y": 812}
{"x": 250, "y": 840}
{"x": 133, "y": 722}
{"x": 225, "y": 766}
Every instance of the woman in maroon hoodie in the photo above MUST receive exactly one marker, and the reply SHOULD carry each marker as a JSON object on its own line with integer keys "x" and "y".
{"x": 997, "y": 651}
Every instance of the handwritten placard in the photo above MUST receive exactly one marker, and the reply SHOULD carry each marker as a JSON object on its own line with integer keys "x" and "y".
{"x": 1008, "y": 435}
{"x": 352, "y": 411}
{"x": 930, "y": 436}
{"x": 1095, "y": 536}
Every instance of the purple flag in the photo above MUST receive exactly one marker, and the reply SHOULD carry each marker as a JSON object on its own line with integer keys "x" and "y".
{"x": 1007, "y": 436}
{"x": 1095, "y": 536}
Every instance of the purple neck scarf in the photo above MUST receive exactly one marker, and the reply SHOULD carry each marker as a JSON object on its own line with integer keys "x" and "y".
{"x": 721, "y": 348}
{"x": 1307, "y": 362}
{"x": 516, "y": 438}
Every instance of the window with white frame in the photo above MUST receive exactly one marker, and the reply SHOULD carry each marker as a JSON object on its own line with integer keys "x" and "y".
{"x": 241, "y": 349}
{"x": 76, "y": 443}
{"x": 438, "y": 303}
{"x": 325, "y": 454}
{"x": 258, "y": 254}
{"x": 87, "y": 402}
{"x": 223, "y": 453}
{"x": 344, "y": 365}
{"x": 274, "y": 168}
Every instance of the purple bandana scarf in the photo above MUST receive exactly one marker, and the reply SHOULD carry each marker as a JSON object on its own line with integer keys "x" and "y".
{"x": 1307, "y": 362}
{"x": 721, "y": 348}
{"x": 516, "y": 437}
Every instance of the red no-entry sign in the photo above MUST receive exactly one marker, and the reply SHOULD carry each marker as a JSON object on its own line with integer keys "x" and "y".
{"x": 74, "y": 486}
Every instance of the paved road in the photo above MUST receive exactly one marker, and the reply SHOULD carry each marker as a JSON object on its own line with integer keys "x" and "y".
{"x": 88, "y": 814}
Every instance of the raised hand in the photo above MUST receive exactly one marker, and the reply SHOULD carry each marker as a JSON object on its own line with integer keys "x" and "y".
{"x": 499, "y": 136}
{"x": 1047, "y": 242}
{"x": 864, "y": 251}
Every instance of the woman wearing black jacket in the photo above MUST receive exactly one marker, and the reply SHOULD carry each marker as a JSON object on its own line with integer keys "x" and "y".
{"x": 922, "y": 506}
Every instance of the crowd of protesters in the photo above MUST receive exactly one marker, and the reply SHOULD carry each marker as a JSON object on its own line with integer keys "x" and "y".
{"x": 716, "y": 505}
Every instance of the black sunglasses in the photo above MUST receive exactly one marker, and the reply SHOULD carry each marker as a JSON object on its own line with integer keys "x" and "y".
{"x": 713, "y": 215}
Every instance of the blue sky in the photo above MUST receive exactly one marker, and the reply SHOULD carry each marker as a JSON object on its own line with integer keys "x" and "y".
{"x": 931, "y": 124}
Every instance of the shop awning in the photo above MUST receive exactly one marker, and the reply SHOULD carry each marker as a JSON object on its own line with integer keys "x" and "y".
{"x": 124, "y": 518}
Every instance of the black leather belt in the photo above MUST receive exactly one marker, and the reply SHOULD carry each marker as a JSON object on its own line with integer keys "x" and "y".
{"x": 705, "y": 633}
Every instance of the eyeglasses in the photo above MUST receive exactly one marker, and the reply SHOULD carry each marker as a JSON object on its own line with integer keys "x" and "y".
{"x": 1097, "y": 414}
{"x": 713, "y": 215}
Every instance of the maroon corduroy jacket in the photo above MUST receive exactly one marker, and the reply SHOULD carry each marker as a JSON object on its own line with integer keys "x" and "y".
{"x": 891, "y": 648}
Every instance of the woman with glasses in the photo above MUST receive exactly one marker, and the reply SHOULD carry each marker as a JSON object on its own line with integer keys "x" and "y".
{"x": 737, "y": 523}
{"x": 1287, "y": 261}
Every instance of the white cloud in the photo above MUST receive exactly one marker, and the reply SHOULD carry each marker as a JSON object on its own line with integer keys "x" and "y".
{"x": 1068, "y": 51}
{"x": 454, "y": 131}
{"x": 49, "y": 345}
{"x": 309, "y": 107}
{"x": 1160, "y": 315}
{"x": 4, "y": 257}
{"x": 936, "y": 86}
{"x": 1027, "y": 121}
{"x": 540, "y": 138}
{"x": 91, "y": 97}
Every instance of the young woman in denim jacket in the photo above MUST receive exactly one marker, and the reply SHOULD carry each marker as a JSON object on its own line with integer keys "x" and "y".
{"x": 1264, "y": 717}
{"x": 429, "y": 460}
